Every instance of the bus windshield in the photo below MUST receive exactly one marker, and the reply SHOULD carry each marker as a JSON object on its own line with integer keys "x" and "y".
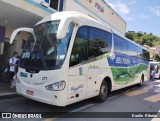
{"x": 48, "y": 52}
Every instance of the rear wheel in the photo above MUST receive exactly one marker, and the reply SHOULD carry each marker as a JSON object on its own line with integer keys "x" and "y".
{"x": 141, "y": 82}
{"x": 103, "y": 93}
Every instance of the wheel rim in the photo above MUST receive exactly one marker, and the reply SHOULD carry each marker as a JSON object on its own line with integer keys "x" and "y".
{"x": 104, "y": 91}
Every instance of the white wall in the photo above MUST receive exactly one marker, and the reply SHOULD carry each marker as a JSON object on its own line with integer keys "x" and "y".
{"x": 28, "y": 7}
{"x": 38, "y": 1}
{"x": 108, "y": 15}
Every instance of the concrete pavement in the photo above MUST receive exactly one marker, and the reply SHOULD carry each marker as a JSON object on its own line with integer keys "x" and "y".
{"x": 6, "y": 91}
{"x": 131, "y": 99}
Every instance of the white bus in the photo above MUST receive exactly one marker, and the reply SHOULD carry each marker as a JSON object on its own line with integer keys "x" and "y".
{"x": 156, "y": 67}
{"x": 74, "y": 57}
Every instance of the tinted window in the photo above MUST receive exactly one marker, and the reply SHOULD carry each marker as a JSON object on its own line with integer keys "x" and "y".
{"x": 146, "y": 55}
{"x": 136, "y": 51}
{"x": 100, "y": 42}
{"x": 133, "y": 50}
{"x": 79, "y": 50}
{"x": 139, "y": 52}
{"x": 120, "y": 45}
{"x": 89, "y": 43}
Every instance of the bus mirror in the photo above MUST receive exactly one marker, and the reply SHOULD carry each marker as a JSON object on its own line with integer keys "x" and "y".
{"x": 24, "y": 29}
{"x": 62, "y": 31}
{"x": 64, "y": 27}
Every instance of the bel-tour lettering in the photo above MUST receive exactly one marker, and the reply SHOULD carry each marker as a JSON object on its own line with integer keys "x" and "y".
{"x": 97, "y": 5}
{"x": 120, "y": 60}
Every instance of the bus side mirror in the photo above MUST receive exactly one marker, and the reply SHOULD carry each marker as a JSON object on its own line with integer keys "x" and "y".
{"x": 63, "y": 27}
{"x": 24, "y": 29}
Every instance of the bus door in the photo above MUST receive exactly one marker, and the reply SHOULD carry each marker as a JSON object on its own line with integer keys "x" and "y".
{"x": 78, "y": 69}
{"x": 77, "y": 82}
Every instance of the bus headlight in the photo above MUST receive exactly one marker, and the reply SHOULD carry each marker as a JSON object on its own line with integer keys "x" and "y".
{"x": 58, "y": 86}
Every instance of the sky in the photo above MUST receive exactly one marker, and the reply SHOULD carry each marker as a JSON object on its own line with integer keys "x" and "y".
{"x": 140, "y": 15}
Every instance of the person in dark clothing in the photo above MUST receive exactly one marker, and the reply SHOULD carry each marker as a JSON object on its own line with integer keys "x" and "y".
{"x": 12, "y": 66}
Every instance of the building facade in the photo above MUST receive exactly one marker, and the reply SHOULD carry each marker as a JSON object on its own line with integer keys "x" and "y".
{"x": 26, "y": 13}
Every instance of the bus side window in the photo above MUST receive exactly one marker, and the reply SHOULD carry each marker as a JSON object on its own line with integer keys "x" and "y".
{"x": 100, "y": 42}
{"x": 133, "y": 51}
{"x": 79, "y": 50}
{"x": 120, "y": 45}
{"x": 146, "y": 55}
{"x": 89, "y": 43}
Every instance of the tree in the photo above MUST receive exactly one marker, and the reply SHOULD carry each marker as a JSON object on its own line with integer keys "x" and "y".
{"x": 143, "y": 38}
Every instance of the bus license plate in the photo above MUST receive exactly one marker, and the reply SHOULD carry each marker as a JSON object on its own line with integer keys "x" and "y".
{"x": 29, "y": 92}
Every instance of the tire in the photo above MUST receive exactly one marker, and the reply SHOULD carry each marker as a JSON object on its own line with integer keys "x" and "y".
{"x": 141, "y": 82}
{"x": 103, "y": 93}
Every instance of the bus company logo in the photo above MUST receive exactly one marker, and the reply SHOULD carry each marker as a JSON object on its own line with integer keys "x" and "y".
{"x": 77, "y": 88}
{"x": 6, "y": 115}
{"x": 93, "y": 67}
{"x": 120, "y": 60}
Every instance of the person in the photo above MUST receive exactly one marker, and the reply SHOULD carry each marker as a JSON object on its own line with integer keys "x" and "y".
{"x": 12, "y": 68}
{"x": 152, "y": 74}
{"x": 16, "y": 71}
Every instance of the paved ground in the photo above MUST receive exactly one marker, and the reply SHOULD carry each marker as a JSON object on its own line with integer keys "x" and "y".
{"x": 5, "y": 89}
{"x": 132, "y": 99}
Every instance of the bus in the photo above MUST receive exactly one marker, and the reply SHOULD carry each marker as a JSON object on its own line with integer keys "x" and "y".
{"x": 72, "y": 57}
{"x": 156, "y": 67}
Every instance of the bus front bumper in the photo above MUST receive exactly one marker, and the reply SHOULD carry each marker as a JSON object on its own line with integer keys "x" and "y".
{"x": 40, "y": 94}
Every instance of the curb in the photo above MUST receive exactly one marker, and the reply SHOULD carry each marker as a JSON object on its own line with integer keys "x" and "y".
{"x": 9, "y": 95}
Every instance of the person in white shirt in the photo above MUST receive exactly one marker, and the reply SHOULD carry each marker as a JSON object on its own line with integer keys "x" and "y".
{"x": 12, "y": 66}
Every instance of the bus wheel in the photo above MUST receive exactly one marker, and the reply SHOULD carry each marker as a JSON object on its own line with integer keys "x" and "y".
{"x": 103, "y": 93}
{"x": 141, "y": 82}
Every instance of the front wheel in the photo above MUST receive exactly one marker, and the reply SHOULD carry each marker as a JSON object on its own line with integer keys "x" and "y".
{"x": 103, "y": 93}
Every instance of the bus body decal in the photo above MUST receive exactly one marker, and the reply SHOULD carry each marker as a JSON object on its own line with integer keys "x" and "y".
{"x": 126, "y": 69}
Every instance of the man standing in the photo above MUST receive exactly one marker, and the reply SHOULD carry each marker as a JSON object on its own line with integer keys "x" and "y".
{"x": 12, "y": 64}
{"x": 152, "y": 74}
